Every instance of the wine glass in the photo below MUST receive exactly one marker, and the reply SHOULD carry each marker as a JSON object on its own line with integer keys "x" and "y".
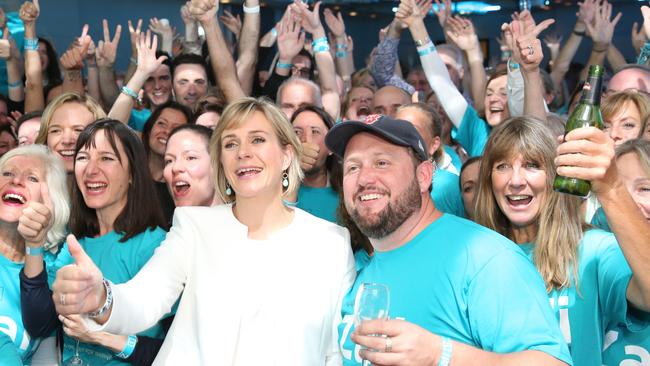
{"x": 75, "y": 360}
{"x": 371, "y": 303}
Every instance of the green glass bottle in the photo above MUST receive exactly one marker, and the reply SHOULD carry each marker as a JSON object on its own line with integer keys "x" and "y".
{"x": 587, "y": 113}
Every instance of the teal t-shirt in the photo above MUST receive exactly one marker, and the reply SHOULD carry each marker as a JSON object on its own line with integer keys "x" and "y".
{"x": 9, "y": 355}
{"x": 119, "y": 262}
{"x": 460, "y": 280}
{"x": 139, "y": 118}
{"x": 625, "y": 348}
{"x": 446, "y": 193}
{"x": 320, "y": 202}
{"x": 473, "y": 132}
{"x": 455, "y": 159}
{"x": 600, "y": 301}
{"x": 600, "y": 221}
{"x": 11, "y": 319}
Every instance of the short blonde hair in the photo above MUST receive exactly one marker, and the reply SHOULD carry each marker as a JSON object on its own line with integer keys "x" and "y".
{"x": 55, "y": 178}
{"x": 87, "y": 101}
{"x": 639, "y": 147}
{"x": 236, "y": 114}
{"x": 615, "y": 102}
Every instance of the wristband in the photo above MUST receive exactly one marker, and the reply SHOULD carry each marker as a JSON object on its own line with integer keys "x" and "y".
{"x": 321, "y": 47}
{"x": 342, "y": 47}
{"x": 422, "y": 42}
{"x": 34, "y": 251}
{"x": 31, "y": 44}
{"x": 644, "y": 54}
{"x": 128, "y": 348}
{"x": 445, "y": 356}
{"x": 282, "y": 65}
{"x": 319, "y": 41}
{"x": 341, "y": 54}
{"x": 274, "y": 32}
{"x": 427, "y": 49}
{"x": 580, "y": 34}
{"x": 289, "y": 203}
{"x": 252, "y": 9}
{"x": 107, "y": 304}
{"x": 128, "y": 91}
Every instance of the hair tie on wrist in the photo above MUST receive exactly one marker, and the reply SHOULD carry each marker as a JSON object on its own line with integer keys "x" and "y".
{"x": 252, "y": 9}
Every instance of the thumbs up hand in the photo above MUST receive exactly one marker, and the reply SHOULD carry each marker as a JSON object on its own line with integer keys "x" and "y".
{"x": 36, "y": 220}
{"x": 78, "y": 288}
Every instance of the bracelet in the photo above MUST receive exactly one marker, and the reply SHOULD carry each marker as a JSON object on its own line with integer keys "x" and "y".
{"x": 31, "y": 44}
{"x": 34, "y": 251}
{"x": 282, "y": 65}
{"x": 341, "y": 54}
{"x": 422, "y": 42}
{"x": 321, "y": 47}
{"x": 274, "y": 32}
{"x": 134, "y": 61}
{"x": 252, "y": 9}
{"x": 580, "y": 34}
{"x": 107, "y": 304}
{"x": 447, "y": 348}
{"x": 128, "y": 347}
{"x": 342, "y": 47}
{"x": 427, "y": 49}
{"x": 644, "y": 54}
{"x": 319, "y": 41}
{"x": 128, "y": 91}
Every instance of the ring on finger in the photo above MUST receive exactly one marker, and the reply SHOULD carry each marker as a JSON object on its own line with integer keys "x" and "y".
{"x": 62, "y": 299}
{"x": 389, "y": 345}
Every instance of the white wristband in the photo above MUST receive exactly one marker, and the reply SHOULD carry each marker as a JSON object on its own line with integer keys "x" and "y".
{"x": 252, "y": 9}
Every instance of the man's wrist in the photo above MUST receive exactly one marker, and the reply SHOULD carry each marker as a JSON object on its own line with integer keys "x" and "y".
{"x": 579, "y": 27}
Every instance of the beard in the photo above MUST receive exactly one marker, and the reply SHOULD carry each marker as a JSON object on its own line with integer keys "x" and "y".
{"x": 384, "y": 223}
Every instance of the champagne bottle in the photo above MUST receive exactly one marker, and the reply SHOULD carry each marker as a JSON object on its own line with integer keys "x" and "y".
{"x": 587, "y": 113}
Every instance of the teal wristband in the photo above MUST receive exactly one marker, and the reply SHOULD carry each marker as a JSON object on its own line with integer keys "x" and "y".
{"x": 426, "y": 49}
{"x": 341, "y": 54}
{"x": 319, "y": 40}
{"x": 15, "y": 84}
{"x": 34, "y": 251}
{"x": 31, "y": 44}
{"x": 128, "y": 348}
{"x": 282, "y": 65}
{"x": 274, "y": 32}
{"x": 447, "y": 348}
{"x": 128, "y": 91}
{"x": 342, "y": 47}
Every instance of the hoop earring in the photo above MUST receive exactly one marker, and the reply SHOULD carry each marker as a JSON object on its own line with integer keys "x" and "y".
{"x": 228, "y": 189}
{"x": 285, "y": 180}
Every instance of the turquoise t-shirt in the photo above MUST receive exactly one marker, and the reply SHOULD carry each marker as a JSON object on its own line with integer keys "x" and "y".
{"x": 320, "y": 202}
{"x": 460, "y": 280}
{"x": 600, "y": 221}
{"x": 361, "y": 259}
{"x": 446, "y": 193}
{"x": 600, "y": 301}
{"x": 11, "y": 319}
{"x": 9, "y": 355}
{"x": 473, "y": 132}
{"x": 139, "y": 118}
{"x": 119, "y": 262}
{"x": 625, "y": 348}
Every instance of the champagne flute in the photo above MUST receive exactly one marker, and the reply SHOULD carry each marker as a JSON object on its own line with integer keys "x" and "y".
{"x": 76, "y": 359}
{"x": 372, "y": 302}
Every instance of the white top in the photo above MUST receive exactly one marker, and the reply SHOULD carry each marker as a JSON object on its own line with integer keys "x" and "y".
{"x": 244, "y": 302}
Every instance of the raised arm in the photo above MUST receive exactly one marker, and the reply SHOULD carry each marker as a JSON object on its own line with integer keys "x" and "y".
{"x": 192, "y": 42}
{"x": 291, "y": 40}
{"x": 435, "y": 70}
{"x": 93, "y": 73}
{"x": 106, "y": 55}
{"x": 461, "y": 32}
{"x": 601, "y": 31}
{"x": 147, "y": 65}
{"x": 343, "y": 53}
{"x": 34, "y": 98}
{"x": 221, "y": 59}
{"x": 164, "y": 30}
{"x": 72, "y": 62}
{"x": 248, "y": 45}
{"x": 9, "y": 52}
{"x": 310, "y": 21}
{"x": 588, "y": 153}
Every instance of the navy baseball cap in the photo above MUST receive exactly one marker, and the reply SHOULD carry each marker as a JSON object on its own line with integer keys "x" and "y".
{"x": 395, "y": 131}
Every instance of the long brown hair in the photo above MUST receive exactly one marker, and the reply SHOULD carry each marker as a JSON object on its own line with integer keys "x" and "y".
{"x": 559, "y": 222}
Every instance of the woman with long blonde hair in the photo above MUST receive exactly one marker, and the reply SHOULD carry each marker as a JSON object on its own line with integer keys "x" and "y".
{"x": 589, "y": 281}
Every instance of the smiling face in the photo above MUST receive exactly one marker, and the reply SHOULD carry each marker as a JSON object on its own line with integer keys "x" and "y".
{"x": 20, "y": 182}
{"x": 310, "y": 128}
{"x": 190, "y": 83}
{"x": 169, "y": 118}
{"x": 158, "y": 87}
{"x": 103, "y": 176}
{"x": 520, "y": 189}
{"x": 360, "y": 103}
{"x": 187, "y": 169}
{"x": 624, "y": 125}
{"x": 636, "y": 180}
{"x": 253, "y": 158}
{"x": 379, "y": 185}
{"x": 496, "y": 101}
{"x": 66, "y": 124}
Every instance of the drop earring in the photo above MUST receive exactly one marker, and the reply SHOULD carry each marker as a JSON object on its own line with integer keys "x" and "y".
{"x": 228, "y": 189}
{"x": 285, "y": 180}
